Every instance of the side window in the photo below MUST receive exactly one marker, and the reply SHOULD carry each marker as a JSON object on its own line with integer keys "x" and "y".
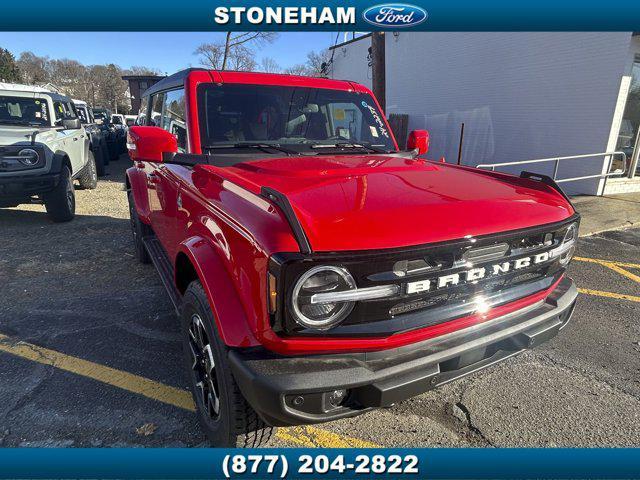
{"x": 71, "y": 110}
{"x": 63, "y": 110}
{"x": 82, "y": 113}
{"x": 157, "y": 102}
{"x": 58, "y": 108}
{"x": 173, "y": 117}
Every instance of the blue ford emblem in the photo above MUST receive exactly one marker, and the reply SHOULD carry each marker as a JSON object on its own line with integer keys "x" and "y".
{"x": 395, "y": 15}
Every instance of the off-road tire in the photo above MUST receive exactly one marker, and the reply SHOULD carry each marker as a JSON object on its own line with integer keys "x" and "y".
{"x": 100, "y": 166}
{"x": 237, "y": 424}
{"x": 61, "y": 201}
{"x": 138, "y": 231}
{"x": 88, "y": 177}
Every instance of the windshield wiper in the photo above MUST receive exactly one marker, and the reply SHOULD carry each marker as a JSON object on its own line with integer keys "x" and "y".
{"x": 25, "y": 123}
{"x": 348, "y": 145}
{"x": 265, "y": 147}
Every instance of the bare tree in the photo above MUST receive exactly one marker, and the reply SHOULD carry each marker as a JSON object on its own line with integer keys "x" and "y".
{"x": 269, "y": 65}
{"x": 138, "y": 70}
{"x": 100, "y": 85}
{"x": 317, "y": 62}
{"x": 211, "y": 55}
{"x": 110, "y": 90}
{"x": 315, "y": 66}
{"x": 298, "y": 69}
{"x": 68, "y": 75}
{"x": 237, "y": 50}
{"x": 33, "y": 68}
{"x": 242, "y": 59}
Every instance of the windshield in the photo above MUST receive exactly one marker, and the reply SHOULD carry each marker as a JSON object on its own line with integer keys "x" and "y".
{"x": 309, "y": 119}
{"x": 23, "y": 111}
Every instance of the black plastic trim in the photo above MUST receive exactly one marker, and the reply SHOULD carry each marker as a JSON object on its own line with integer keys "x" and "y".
{"x": 382, "y": 378}
{"x": 547, "y": 180}
{"x": 283, "y": 203}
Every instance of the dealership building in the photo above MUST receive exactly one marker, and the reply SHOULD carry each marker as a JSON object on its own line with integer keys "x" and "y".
{"x": 489, "y": 98}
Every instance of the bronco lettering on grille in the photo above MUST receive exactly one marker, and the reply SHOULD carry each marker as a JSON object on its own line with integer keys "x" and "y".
{"x": 475, "y": 274}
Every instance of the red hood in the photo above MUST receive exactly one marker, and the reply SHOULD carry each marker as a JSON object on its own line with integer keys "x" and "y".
{"x": 376, "y": 202}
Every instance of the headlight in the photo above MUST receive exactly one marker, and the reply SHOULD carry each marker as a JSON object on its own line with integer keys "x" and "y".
{"x": 324, "y": 296}
{"x": 28, "y": 157}
{"x": 564, "y": 252}
{"x": 569, "y": 244}
{"x": 325, "y": 279}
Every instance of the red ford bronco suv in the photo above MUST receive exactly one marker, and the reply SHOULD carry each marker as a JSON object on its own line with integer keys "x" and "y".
{"x": 318, "y": 270}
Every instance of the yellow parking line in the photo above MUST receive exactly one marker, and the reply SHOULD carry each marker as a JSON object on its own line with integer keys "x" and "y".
{"x": 615, "y": 266}
{"x": 602, "y": 262}
{"x": 619, "y": 296}
{"x": 117, "y": 378}
{"x": 305, "y": 436}
{"x": 309, "y": 436}
{"x": 622, "y": 271}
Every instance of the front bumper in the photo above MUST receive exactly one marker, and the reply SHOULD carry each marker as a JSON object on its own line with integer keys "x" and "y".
{"x": 300, "y": 390}
{"x": 19, "y": 188}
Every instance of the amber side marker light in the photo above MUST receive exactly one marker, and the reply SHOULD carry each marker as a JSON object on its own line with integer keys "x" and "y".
{"x": 273, "y": 293}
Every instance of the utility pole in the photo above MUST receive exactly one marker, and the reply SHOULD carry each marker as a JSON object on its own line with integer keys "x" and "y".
{"x": 378, "y": 68}
{"x": 227, "y": 47}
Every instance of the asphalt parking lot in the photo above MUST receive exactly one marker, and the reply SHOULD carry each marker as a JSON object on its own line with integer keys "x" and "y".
{"x": 90, "y": 352}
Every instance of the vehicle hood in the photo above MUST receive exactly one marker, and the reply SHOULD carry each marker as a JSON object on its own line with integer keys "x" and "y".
{"x": 10, "y": 135}
{"x": 377, "y": 201}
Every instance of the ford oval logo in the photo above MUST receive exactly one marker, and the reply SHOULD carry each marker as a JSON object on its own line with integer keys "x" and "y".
{"x": 395, "y": 15}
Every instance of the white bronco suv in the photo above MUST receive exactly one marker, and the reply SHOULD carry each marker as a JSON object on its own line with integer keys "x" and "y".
{"x": 43, "y": 149}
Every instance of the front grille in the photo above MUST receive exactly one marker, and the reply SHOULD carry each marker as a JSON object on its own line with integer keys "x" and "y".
{"x": 416, "y": 307}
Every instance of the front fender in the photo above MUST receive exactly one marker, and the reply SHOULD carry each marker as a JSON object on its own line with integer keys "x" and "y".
{"x": 225, "y": 303}
{"x": 137, "y": 183}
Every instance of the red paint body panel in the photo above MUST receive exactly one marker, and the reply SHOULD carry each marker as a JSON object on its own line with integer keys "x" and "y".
{"x": 377, "y": 202}
{"x": 219, "y": 283}
{"x": 344, "y": 203}
{"x": 137, "y": 181}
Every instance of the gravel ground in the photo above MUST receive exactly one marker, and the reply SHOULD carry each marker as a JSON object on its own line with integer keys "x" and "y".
{"x": 76, "y": 288}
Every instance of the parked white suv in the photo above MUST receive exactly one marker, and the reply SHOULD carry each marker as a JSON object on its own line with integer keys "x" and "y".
{"x": 43, "y": 148}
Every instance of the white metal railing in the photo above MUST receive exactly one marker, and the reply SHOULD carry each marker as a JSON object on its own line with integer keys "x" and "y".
{"x": 557, "y": 161}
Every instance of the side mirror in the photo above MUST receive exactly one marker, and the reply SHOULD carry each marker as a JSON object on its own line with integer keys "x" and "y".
{"x": 71, "y": 123}
{"x": 418, "y": 140}
{"x": 149, "y": 143}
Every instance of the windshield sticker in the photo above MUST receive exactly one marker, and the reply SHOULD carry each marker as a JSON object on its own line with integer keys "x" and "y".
{"x": 377, "y": 119}
{"x": 43, "y": 111}
{"x": 339, "y": 114}
{"x": 374, "y": 131}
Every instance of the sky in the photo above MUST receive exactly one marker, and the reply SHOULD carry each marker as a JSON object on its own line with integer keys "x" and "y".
{"x": 165, "y": 51}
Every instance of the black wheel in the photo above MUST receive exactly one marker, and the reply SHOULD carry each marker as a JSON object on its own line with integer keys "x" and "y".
{"x": 225, "y": 416}
{"x": 61, "y": 201}
{"x": 88, "y": 178}
{"x": 99, "y": 158}
{"x": 138, "y": 230}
